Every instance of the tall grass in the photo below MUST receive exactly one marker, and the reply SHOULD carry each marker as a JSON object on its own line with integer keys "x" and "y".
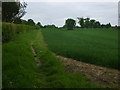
{"x": 10, "y": 30}
{"x": 96, "y": 46}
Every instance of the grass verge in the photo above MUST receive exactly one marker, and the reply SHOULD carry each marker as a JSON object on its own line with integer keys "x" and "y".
{"x": 19, "y": 68}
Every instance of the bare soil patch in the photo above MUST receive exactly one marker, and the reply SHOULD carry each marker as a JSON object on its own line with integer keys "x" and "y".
{"x": 100, "y": 75}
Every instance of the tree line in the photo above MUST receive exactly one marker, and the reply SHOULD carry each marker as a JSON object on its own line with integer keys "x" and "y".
{"x": 70, "y": 24}
{"x": 13, "y": 11}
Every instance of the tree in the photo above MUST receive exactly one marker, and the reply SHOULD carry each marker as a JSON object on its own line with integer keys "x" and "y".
{"x": 70, "y": 24}
{"x": 81, "y": 22}
{"x": 22, "y": 12}
{"x": 92, "y": 23}
{"x": 50, "y": 26}
{"x": 12, "y": 11}
{"x": 30, "y": 22}
{"x": 97, "y": 24}
{"x": 9, "y": 11}
{"x": 106, "y": 26}
{"x": 39, "y": 24}
{"x": 103, "y": 25}
{"x": 87, "y": 22}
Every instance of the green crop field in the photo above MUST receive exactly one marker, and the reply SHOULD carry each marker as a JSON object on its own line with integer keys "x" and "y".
{"x": 96, "y": 46}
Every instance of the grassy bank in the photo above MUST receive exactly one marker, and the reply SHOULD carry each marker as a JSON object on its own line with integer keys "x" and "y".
{"x": 96, "y": 46}
{"x": 20, "y": 69}
{"x": 10, "y": 30}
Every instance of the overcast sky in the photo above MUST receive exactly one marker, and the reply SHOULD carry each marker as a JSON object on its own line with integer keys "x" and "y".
{"x": 57, "y": 12}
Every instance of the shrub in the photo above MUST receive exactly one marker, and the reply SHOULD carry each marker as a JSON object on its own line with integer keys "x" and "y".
{"x": 10, "y": 30}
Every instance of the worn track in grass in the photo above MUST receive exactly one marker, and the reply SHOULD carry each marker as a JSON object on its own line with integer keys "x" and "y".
{"x": 100, "y": 75}
{"x": 37, "y": 60}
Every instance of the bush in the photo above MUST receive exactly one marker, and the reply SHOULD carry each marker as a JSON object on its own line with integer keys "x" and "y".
{"x": 9, "y": 30}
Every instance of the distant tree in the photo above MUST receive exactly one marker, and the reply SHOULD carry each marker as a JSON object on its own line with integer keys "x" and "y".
{"x": 106, "y": 25}
{"x": 87, "y": 22}
{"x": 70, "y": 24}
{"x": 103, "y": 25}
{"x": 50, "y": 26}
{"x": 97, "y": 24}
{"x": 92, "y": 23}
{"x": 81, "y": 22}
{"x": 30, "y": 22}
{"x": 13, "y": 11}
{"x": 39, "y": 24}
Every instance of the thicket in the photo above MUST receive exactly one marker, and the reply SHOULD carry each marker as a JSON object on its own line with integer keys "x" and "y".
{"x": 10, "y": 30}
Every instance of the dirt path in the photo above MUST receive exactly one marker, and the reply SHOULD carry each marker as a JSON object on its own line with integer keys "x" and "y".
{"x": 37, "y": 60}
{"x": 100, "y": 75}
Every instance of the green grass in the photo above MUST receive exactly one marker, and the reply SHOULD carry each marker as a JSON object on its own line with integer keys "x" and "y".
{"x": 20, "y": 70}
{"x": 96, "y": 46}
